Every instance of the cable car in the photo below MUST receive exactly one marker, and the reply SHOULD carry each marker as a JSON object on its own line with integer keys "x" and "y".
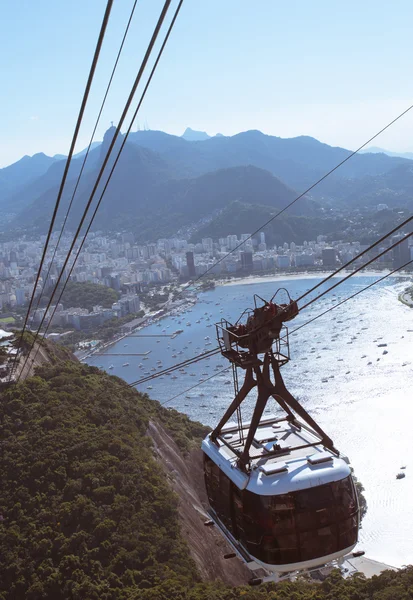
{"x": 278, "y": 489}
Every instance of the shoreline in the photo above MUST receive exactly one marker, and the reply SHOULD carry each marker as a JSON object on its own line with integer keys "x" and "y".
{"x": 248, "y": 280}
{"x": 406, "y": 297}
{"x": 147, "y": 320}
{"x": 256, "y": 279}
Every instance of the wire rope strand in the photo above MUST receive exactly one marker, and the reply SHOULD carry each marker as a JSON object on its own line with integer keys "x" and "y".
{"x": 194, "y": 386}
{"x": 347, "y": 264}
{"x": 150, "y": 47}
{"x": 175, "y": 367}
{"x": 67, "y": 165}
{"x": 86, "y": 154}
{"x": 352, "y": 296}
{"x": 356, "y": 271}
{"x": 304, "y": 324}
{"x": 409, "y": 108}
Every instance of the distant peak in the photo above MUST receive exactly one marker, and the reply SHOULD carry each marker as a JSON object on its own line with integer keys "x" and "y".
{"x": 195, "y": 136}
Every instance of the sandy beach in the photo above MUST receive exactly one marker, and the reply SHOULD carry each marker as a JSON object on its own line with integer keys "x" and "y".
{"x": 254, "y": 279}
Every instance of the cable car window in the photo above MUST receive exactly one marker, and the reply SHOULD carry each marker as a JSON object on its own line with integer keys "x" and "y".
{"x": 238, "y": 515}
{"x": 345, "y": 496}
{"x": 225, "y": 500}
{"x": 318, "y": 542}
{"x": 348, "y": 532}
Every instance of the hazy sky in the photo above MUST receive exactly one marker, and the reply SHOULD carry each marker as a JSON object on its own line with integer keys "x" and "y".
{"x": 334, "y": 70}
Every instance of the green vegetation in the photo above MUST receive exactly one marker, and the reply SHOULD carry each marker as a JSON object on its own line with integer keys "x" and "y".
{"x": 87, "y": 295}
{"x": 86, "y": 512}
{"x": 7, "y": 320}
{"x": 154, "y": 300}
{"x": 25, "y": 342}
{"x": 390, "y": 585}
{"x": 249, "y": 217}
{"x": 105, "y": 332}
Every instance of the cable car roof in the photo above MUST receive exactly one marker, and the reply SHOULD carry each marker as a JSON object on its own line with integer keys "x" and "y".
{"x": 293, "y": 469}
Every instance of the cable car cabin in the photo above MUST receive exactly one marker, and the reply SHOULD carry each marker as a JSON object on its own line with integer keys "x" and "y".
{"x": 297, "y": 509}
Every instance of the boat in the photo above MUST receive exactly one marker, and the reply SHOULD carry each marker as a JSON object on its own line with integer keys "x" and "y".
{"x": 111, "y": 367}
{"x": 188, "y": 324}
{"x": 174, "y": 377}
{"x": 400, "y": 475}
{"x": 150, "y": 387}
{"x": 125, "y": 364}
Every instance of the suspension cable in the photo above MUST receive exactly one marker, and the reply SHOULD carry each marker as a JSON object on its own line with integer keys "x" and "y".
{"x": 302, "y": 194}
{"x": 195, "y": 386}
{"x": 347, "y": 264}
{"x": 352, "y": 296}
{"x": 356, "y": 271}
{"x": 86, "y": 155}
{"x": 115, "y": 162}
{"x": 301, "y": 326}
{"x": 177, "y": 366}
{"x": 215, "y": 351}
{"x": 66, "y": 169}
{"x": 145, "y": 60}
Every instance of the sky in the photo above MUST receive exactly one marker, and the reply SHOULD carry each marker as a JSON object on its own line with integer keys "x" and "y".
{"x": 337, "y": 71}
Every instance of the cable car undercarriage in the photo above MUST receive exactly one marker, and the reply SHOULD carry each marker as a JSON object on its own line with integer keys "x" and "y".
{"x": 280, "y": 492}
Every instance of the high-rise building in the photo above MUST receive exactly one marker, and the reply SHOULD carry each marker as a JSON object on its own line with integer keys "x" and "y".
{"x": 401, "y": 252}
{"x": 246, "y": 261}
{"x": 262, "y": 237}
{"x": 232, "y": 242}
{"x": 20, "y": 296}
{"x": 190, "y": 263}
{"x": 207, "y": 244}
{"x": 282, "y": 261}
{"x": 329, "y": 257}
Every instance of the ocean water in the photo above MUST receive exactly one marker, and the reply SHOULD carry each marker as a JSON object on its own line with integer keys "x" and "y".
{"x": 361, "y": 396}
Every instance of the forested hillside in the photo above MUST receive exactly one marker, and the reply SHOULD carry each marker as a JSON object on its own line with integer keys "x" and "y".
{"x": 87, "y": 295}
{"x": 87, "y": 512}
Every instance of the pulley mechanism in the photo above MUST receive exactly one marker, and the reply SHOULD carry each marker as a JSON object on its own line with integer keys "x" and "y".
{"x": 258, "y": 343}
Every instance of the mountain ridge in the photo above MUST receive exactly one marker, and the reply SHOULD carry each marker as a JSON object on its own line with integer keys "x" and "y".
{"x": 159, "y": 173}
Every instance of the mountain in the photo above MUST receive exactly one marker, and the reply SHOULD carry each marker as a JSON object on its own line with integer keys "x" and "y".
{"x": 376, "y": 150}
{"x": 137, "y": 171}
{"x": 23, "y": 172}
{"x": 193, "y": 136}
{"x": 48, "y": 183}
{"x": 298, "y": 162}
{"x": 163, "y": 183}
{"x": 240, "y": 217}
{"x": 93, "y": 145}
{"x": 394, "y": 188}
